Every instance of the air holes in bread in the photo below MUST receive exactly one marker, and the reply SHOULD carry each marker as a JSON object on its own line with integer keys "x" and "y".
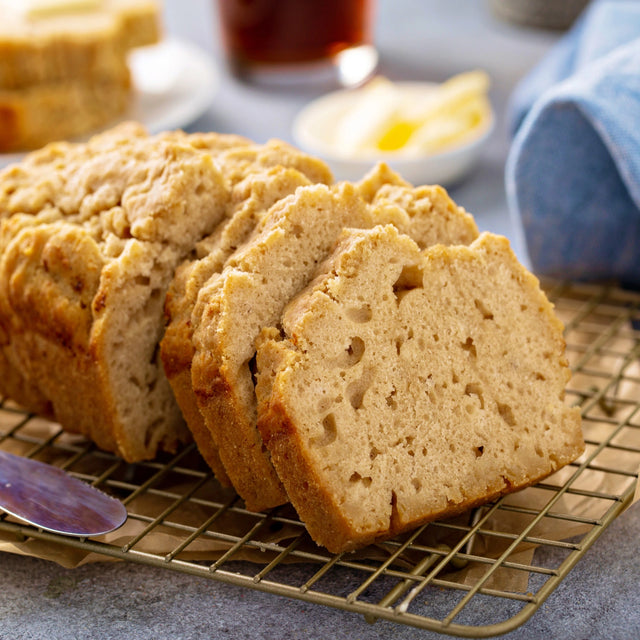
{"x": 486, "y": 314}
{"x": 351, "y": 355}
{"x": 470, "y": 347}
{"x": 359, "y": 314}
{"x": 475, "y": 389}
{"x": 354, "y": 351}
{"x": 356, "y": 477}
{"x": 325, "y": 403}
{"x": 253, "y": 368}
{"x": 479, "y": 451}
{"x": 330, "y": 432}
{"x": 410, "y": 278}
{"x": 357, "y": 389}
{"x": 356, "y": 393}
{"x": 297, "y": 230}
{"x": 506, "y": 414}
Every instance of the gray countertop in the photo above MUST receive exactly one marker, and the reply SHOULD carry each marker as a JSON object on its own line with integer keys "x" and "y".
{"x": 418, "y": 40}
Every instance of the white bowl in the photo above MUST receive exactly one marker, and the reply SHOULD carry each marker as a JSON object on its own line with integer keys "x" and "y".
{"x": 313, "y": 125}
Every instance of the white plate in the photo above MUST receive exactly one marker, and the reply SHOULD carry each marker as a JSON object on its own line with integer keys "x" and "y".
{"x": 174, "y": 83}
{"x": 313, "y": 125}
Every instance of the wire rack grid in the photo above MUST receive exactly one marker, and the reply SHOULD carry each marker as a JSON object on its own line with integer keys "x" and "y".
{"x": 478, "y": 575}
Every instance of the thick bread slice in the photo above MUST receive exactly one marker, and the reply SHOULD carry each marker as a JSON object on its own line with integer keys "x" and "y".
{"x": 90, "y": 238}
{"x": 258, "y": 280}
{"x": 404, "y": 386}
{"x": 34, "y": 116}
{"x": 250, "y": 199}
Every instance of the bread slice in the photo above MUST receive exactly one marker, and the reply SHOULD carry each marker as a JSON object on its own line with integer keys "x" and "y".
{"x": 273, "y": 171}
{"x": 32, "y": 117}
{"x": 90, "y": 238}
{"x": 258, "y": 280}
{"x": 406, "y": 385}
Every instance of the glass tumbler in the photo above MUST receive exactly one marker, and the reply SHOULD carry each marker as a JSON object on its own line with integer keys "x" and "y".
{"x": 299, "y": 41}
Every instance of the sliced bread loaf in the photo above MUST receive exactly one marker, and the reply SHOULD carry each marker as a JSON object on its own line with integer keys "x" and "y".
{"x": 259, "y": 279}
{"x": 90, "y": 238}
{"x": 403, "y": 386}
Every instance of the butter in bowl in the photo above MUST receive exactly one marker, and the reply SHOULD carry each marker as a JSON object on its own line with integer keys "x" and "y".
{"x": 430, "y": 133}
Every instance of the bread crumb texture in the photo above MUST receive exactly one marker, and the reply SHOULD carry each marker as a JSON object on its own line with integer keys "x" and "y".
{"x": 406, "y": 385}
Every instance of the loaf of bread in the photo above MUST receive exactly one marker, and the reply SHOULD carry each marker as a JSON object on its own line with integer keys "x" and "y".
{"x": 258, "y": 280}
{"x": 91, "y": 236}
{"x": 357, "y": 349}
{"x": 403, "y": 385}
{"x": 64, "y": 72}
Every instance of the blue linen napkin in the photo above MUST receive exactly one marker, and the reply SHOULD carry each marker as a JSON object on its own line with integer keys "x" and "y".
{"x": 573, "y": 171}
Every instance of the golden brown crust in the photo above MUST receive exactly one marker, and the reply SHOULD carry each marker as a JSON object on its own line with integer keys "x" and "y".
{"x": 50, "y": 275}
{"x": 379, "y": 177}
{"x": 181, "y": 384}
{"x": 239, "y": 447}
{"x": 34, "y": 116}
{"x": 280, "y": 437}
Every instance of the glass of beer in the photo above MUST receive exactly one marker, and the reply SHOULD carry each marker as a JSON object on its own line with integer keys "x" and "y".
{"x": 299, "y": 41}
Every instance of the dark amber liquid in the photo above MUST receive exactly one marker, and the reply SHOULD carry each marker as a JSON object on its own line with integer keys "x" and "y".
{"x": 290, "y": 31}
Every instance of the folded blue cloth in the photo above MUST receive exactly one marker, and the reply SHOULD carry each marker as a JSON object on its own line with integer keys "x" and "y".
{"x": 573, "y": 171}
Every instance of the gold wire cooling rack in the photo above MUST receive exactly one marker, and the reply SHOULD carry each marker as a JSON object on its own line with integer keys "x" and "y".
{"x": 456, "y": 577}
